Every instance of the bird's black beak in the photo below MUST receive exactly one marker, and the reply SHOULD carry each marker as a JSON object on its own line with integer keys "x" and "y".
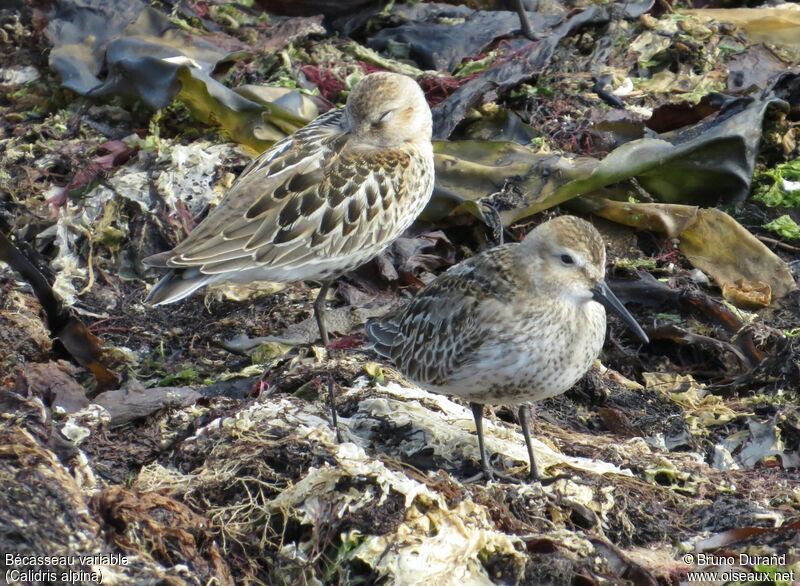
{"x": 605, "y": 296}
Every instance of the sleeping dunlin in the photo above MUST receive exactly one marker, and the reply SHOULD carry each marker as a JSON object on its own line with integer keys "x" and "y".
{"x": 318, "y": 203}
{"x": 513, "y": 325}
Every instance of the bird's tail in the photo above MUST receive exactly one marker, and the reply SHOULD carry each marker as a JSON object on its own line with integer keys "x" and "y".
{"x": 176, "y": 285}
{"x": 382, "y": 331}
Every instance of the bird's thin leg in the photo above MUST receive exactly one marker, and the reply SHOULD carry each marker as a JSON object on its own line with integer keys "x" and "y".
{"x": 334, "y": 415}
{"x": 525, "y": 422}
{"x": 486, "y": 470}
{"x": 523, "y": 20}
{"x": 477, "y": 414}
{"x": 319, "y": 312}
{"x": 524, "y": 415}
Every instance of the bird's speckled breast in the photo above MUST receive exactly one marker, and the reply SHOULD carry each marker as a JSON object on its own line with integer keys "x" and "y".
{"x": 542, "y": 355}
{"x": 411, "y": 197}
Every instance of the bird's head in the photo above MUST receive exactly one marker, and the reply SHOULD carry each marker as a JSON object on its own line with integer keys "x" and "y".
{"x": 387, "y": 110}
{"x": 567, "y": 259}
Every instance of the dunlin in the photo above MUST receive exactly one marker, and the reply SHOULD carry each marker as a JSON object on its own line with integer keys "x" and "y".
{"x": 513, "y": 325}
{"x": 318, "y": 203}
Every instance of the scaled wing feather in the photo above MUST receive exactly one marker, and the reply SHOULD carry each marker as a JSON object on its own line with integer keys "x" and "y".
{"x": 312, "y": 198}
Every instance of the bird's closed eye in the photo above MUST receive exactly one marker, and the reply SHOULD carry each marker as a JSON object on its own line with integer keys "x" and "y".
{"x": 567, "y": 259}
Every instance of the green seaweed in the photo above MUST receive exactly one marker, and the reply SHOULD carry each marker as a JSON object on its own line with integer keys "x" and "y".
{"x": 188, "y": 375}
{"x": 785, "y": 227}
{"x": 773, "y": 186}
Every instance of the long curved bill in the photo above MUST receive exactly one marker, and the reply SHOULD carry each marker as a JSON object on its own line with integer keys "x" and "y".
{"x": 604, "y": 296}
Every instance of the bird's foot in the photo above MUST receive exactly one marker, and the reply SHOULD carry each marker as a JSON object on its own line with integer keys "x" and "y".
{"x": 524, "y": 22}
{"x": 550, "y": 479}
{"x": 488, "y": 474}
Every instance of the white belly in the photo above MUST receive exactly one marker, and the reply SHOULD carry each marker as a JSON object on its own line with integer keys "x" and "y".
{"x": 535, "y": 361}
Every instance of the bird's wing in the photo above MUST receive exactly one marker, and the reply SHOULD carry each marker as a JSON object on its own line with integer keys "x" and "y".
{"x": 440, "y": 330}
{"x": 312, "y": 197}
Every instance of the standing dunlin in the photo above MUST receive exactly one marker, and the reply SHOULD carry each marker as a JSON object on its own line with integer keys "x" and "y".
{"x": 318, "y": 203}
{"x": 515, "y": 324}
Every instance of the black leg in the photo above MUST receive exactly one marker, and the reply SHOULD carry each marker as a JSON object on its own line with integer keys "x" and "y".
{"x": 319, "y": 312}
{"x": 332, "y": 399}
{"x": 525, "y": 422}
{"x": 486, "y": 470}
{"x": 477, "y": 414}
{"x": 523, "y": 20}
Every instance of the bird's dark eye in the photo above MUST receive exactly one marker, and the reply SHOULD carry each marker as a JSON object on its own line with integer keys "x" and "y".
{"x": 567, "y": 259}
{"x": 385, "y": 117}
